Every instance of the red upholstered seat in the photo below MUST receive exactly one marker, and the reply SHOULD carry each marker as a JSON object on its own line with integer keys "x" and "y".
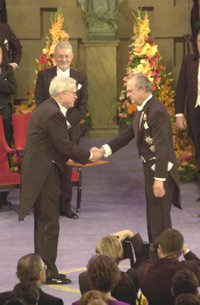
{"x": 20, "y": 124}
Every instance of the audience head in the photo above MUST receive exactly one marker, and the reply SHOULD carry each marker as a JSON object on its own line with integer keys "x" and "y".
{"x": 103, "y": 273}
{"x": 63, "y": 89}
{"x": 31, "y": 268}
{"x": 184, "y": 281}
{"x": 3, "y": 55}
{"x": 110, "y": 246}
{"x": 170, "y": 243}
{"x": 63, "y": 55}
{"x": 27, "y": 291}
{"x": 138, "y": 88}
{"x": 187, "y": 299}
{"x": 92, "y": 297}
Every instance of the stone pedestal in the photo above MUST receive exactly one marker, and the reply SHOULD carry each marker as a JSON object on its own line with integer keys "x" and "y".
{"x": 101, "y": 69}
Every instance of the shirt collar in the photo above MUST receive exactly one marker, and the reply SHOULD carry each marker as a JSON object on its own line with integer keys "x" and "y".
{"x": 141, "y": 107}
{"x": 64, "y": 73}
{"x": 63, "y": 110}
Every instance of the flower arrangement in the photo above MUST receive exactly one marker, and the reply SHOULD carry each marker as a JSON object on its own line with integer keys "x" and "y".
{"x": 144, "y": 57}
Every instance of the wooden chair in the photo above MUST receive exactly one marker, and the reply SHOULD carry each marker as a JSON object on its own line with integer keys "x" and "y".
{"x": 8, "y": 179}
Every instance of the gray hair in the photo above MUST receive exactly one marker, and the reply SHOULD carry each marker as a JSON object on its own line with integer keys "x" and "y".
{"x": 142, "y": 81}
{"x": 60, "y": 84}
{"x": 63, "y": 44}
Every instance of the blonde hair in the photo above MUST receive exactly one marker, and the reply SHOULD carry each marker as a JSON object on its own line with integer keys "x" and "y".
{"x": 110, "y": 246}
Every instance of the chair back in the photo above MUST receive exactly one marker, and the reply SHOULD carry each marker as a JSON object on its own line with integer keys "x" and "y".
{"x": 20, "y": 125}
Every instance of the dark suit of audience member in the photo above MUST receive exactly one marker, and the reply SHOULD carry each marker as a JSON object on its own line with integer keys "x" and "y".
{"x": 187, "y": 98}
{"x": 47, "y": 150}
{"x": 63, "y": 57}
{"x": 44, "y": 298}
{"x": 155, "y": 276}
{"x": 12, "y": 44}
{"x": 152, "y": 130}
{"x": 3, "y": 11}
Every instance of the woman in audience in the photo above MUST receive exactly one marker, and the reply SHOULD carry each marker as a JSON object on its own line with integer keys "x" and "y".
{"x": 127, "y": 287}
{"x": 103, "y": 276}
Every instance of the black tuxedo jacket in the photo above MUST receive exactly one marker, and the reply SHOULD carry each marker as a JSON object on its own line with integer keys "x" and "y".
{"x": 12, "y": 43}
{"x": 153, "y": 134}
{"x": 44, "y": 298}
{"x": 186, "y": 90}
{"x": 48, "y": 144}
{"x": 3, "y": 11}
{"x": 74, "y": 114}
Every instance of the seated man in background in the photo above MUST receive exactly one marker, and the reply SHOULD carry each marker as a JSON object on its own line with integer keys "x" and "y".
{"x": 185, "y": 281}
{"x": 31, "y": 268}
{"x": 155, "y": 275}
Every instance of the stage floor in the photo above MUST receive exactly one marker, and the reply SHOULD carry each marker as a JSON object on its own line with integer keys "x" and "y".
{"x": 112, "y": 199}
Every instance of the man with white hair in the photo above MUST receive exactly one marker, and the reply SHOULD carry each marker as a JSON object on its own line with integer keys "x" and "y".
{"x": 47, "y": 150}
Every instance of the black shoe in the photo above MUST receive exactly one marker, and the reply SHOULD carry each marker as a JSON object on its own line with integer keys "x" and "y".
{"x": 57, "y": 281}
{"x": 70, "y": 215}
{"x": 198, "y": 199}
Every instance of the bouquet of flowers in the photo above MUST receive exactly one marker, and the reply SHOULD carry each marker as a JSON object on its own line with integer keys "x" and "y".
{"x": 144, "y": 57}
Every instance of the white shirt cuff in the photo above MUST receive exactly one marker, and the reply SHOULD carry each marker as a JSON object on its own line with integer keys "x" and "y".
{"x": 179, "y": 115}
{"x": 108, "y": 150}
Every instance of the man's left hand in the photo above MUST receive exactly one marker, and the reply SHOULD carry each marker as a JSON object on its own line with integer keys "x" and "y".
{"x": 158, "y": 188}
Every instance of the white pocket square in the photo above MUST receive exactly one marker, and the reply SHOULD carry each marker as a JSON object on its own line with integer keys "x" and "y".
{"x": 79, "y": 86}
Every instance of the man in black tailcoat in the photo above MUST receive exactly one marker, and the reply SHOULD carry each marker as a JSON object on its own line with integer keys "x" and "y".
{"x": 47, "y": 150}
{"x": 152, "y": 130}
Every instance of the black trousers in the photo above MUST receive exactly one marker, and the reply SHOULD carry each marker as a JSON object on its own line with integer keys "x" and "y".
{"x": 157, "y": 209}
{"x": 194, "y": 124}
{"x": 46, "y": 225}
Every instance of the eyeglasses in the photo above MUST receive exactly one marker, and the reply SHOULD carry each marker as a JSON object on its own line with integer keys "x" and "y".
{"x": 74, "y": 93}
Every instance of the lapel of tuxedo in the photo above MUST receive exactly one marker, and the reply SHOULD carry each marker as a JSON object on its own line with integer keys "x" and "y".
{"x": 73, "y": 73}
{"x": 136, "y": 126}
{"x": 140, "y": 122}
{"x": 194, "y": 69}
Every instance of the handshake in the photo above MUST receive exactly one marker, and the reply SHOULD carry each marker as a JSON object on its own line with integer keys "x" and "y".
{"x": 96, "y": 153}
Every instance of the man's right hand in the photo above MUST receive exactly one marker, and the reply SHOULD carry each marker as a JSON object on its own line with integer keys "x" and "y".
{"x": 181, "y": 122}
